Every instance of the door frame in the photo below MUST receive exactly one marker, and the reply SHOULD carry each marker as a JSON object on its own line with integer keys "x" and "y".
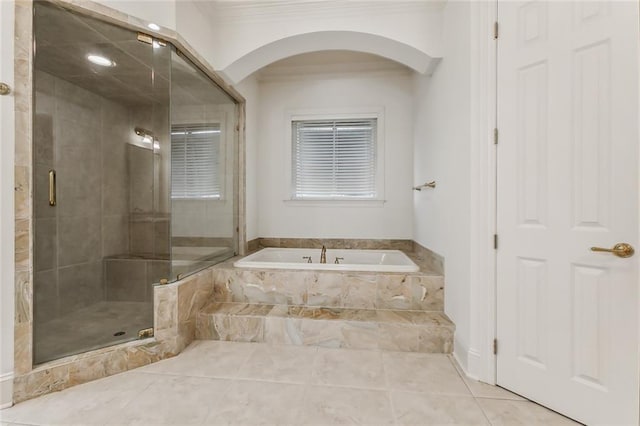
{"x": 478, "y": 360}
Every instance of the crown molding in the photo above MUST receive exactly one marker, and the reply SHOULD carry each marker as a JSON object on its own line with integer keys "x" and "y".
{"x": 231, "y": 12}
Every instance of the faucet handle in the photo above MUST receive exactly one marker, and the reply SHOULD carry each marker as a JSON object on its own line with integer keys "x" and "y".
{"x": 307, "y": 258}
{"x": 338, "y": 259}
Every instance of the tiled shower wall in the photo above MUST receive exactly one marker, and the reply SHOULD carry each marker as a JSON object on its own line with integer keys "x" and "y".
{"x": 149, "y": 184}
{"x": 84, "y": 138}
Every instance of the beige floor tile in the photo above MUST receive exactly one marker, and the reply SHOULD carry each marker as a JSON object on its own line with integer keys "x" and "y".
{"x": 284, "y": 385}
{"x": 258, "y": 403}
{"x": 289, "y": 364}
{"x": 326, "y": 405}
{"x": 432, "y": 373}
{"x": 417, "y": 408}
{"x": 354, "y": 368}
{"x": 173, "y": 400}
{"x": 206, "y": 358}
{"x": 91, "y": 403}
{"x": 505, "y": 412}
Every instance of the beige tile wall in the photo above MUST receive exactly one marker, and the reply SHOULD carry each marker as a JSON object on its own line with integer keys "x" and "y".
{"x": 83, "y": 137}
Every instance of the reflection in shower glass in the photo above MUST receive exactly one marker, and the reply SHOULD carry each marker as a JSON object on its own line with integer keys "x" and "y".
{"x": 105, "y": 239}
{"x": 203, "y": 167}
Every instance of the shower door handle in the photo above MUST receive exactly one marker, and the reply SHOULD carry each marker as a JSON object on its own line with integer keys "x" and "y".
{"x": 52, "y": 187}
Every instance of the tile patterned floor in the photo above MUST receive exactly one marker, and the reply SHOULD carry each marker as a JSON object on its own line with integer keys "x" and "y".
{"x": 254, "y": 384}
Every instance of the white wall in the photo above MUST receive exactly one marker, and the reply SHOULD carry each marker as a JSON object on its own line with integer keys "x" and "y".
{"x": 442, "y": 119}
{"x": 249, "y": 89}
{"x": 6, "y": 206}
{"x": 244, "y": 27}
{"x": 279, "y": 218}
{"x": 160, "y": 12}
{"x": 198, "y": 29}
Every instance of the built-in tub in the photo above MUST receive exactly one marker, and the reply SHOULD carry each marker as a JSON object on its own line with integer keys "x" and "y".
{"x": 352, "y": 260}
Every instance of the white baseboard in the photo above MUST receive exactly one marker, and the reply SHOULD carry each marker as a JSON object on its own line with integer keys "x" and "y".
{"x": 474, "y": 359}
{"x": 6, "y": 390}
{"x": 469, "y": 360}
{"x": 461, "y": 353}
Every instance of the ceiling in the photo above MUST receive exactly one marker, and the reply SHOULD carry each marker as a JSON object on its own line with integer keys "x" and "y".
{"x": 143, "y": 74}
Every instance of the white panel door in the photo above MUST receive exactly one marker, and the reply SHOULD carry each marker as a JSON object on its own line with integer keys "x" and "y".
{"x": 568, "y": 180}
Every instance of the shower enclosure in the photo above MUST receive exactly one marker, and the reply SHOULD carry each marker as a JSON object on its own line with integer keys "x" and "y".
{"x": 135, "y": 179}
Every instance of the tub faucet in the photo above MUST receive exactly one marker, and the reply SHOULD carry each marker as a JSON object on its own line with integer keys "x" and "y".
{"x": 323, "y": 255}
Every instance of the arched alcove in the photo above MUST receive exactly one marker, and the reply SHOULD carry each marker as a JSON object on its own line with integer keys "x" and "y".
{"x": 402, "y": 53}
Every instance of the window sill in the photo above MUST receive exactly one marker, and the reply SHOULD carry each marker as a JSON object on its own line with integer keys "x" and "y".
{"x": 335, "y": 203}
{"x": 210, "y": 200}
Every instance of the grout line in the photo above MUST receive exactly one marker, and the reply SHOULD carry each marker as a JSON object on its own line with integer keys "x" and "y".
{"x": 484, "y": 413}
{"x": 475, "y": 399}
{"x": 389, "y": 388}
{"x": 460, "y": 374}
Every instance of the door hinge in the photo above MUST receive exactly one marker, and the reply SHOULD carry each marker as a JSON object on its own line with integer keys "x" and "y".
{"x": 495, "y": 346}
{"x": 145, "y": 38}
{"x": 145, "y": 333}
{"x": 495, "y": 136}
{"x": 495, "y": 241}
{"x": 495, "y": 30}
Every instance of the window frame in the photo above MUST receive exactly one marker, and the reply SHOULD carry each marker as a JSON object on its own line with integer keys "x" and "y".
{"x": 336, "y": 114}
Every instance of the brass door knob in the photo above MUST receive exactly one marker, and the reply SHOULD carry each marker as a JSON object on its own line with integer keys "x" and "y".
{"x": 620, "y": 250}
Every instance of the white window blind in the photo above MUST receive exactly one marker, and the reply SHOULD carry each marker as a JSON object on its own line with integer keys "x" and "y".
{"x": 334, "y": 159}
{"x": 195, "y": 152}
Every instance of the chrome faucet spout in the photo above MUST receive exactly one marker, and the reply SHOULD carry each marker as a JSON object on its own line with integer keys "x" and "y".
{"x": 323, "y": 255}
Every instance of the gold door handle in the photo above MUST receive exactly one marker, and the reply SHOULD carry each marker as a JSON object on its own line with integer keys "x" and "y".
{"x": 620, "y": 250}
{"x": 52, "y": 187}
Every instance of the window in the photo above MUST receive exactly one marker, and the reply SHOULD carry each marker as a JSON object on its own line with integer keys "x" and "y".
{"x": 334, "y": 159}
{"x": 195, "y": 155}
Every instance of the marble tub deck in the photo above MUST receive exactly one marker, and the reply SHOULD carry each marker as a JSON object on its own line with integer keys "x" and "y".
{"x": 251, "y": 383}
{"x": 399, "y": 330}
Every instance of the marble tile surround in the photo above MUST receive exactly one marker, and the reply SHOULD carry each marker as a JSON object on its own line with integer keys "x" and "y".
{"x": 332, "y": 289}
{"x": 391, "y": 311}
{"x": 397, "y": 330}
{"x": 337, "y": 243}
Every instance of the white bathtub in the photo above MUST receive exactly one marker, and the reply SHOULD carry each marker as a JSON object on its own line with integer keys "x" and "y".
{"x": 354, "y": 260}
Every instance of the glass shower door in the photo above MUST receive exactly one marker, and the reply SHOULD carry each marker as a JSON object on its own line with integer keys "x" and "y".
{"x": 101, "y": 173}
